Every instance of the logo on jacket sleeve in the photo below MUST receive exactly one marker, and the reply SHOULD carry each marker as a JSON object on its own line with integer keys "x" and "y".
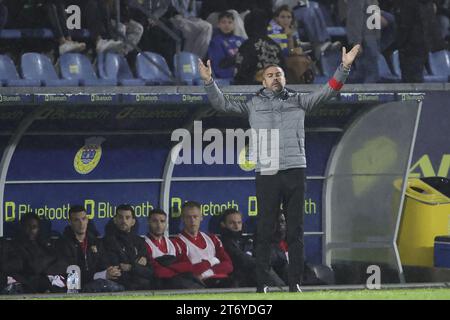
{"x": 88, "y": 157}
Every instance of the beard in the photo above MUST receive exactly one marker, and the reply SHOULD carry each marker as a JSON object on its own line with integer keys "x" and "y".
{"x": 277, "y": 87}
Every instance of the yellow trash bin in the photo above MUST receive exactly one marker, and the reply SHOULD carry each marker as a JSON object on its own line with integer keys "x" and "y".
{"x": 426, "y": 214}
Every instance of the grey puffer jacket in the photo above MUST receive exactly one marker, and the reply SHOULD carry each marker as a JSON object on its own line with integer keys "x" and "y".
{"x": 284, "y": 111}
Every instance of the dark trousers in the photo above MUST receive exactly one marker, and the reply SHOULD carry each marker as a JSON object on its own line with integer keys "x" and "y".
{"x": 287, "y": 187}
{"x": 412, "y": 64}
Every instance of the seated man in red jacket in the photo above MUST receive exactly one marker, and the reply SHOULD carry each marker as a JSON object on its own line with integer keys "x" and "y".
{"x": 211, "y": 263}
{"x": 171, "y": 266}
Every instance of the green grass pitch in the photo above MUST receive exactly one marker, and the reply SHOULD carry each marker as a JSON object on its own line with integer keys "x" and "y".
{"x": 397, "y": 294}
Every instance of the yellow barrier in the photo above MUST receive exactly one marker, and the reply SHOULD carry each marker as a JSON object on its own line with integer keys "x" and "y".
{"x": 426, "y": 215}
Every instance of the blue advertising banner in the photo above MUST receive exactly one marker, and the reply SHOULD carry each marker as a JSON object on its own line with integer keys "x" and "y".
{"x": 61, "y": 157}
{"x": 52, "y": 202}
{"x": 432, "y": 151}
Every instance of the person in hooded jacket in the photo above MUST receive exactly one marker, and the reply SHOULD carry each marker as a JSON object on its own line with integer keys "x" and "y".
{"x": 128, "y": 250}
{"x": 9, "y": 261}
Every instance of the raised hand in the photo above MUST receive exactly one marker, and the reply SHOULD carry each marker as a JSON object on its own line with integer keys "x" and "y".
{"x": 348, "y": 58}
{"x": 205, "y": 70}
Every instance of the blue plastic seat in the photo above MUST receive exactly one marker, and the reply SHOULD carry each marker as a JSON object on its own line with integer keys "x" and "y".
{"x": 115, "y": 67}
{"x": 186, "y": 68}
{"x": 43, "y": 33}
{"x": 35, "y": 66}
{"x": 10, "y": 34}
{"x": 223, "y": 81}
{"x": 156, "y": 73}
{"x": 330, "y": 61}
{"x": 385, "y": 72}
{"x": 76, "y": 66}
{"x": 427, "y": 77}
{"x": 10, "y": 77}
{"x": 396, "y": 63}
{"x": 301, "y": 14}
{"x": 440, "y": 63}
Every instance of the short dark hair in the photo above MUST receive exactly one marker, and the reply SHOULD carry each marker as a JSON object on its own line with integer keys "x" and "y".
{"x": 189, "y": 205}
{"x": 270, "y": 66}
{"x": 126, "y": 207}
{"x": 76, "y": 208}
{"x": 29, "y": 216}
{"x": 156, "y": 211}
{"x": 225, "y": 14}
{"x": 229, "y": 212}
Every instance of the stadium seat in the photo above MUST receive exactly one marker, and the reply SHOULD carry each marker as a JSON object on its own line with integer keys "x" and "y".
{"x": 440, "y": 63}
{"x": 396, "y": 63}
{"x": 385, "y": 72}
{"x": 427, "y": 77}
{"x": 156, "y": 73}
{"x": 333, "y": 30}
{"x": 35, "y": 66}
{"x": 10, "y": 77}
{"x": 115, "y": 67}
{"x": 329, "y": 62}
{"x": 76, "y": 66}
{"x": 10, "y": 34}
{"x": 186, "y": 68}
{"x": 41, "y": 33}
{"x": 223, "y": 81}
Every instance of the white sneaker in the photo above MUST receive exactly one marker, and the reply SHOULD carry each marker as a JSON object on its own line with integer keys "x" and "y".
{"x": 109, "y": 45}
{"x": 71, "y": 46}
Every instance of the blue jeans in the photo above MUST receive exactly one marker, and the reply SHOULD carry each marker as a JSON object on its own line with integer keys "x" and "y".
{"x": 365, "y": 69}
{"x": 389, "y": 33}
{"x": 311, "y": 18}
{"x": 3, "y": 15}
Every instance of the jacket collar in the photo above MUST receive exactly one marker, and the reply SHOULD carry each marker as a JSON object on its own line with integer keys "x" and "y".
{"x": 69, "y": 234}
{"x": 269, "y": 94}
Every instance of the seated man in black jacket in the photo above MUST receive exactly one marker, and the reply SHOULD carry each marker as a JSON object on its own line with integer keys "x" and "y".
{"x": 40, "y": 270}
{"x": 79, "y": 247}
{"x": 240, "y": 250}
{"x": 128, "y": 250}
{"x": 9, "y": 262}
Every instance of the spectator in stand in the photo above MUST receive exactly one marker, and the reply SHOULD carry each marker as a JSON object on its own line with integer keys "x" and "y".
{"x": 282, "y": 30}
{"x": 210, "y": 6}
{"x": 97, "y": 19}
{"x": 197, "y": 32}
{"x": 224, "y": 46}
{"x": 211, "y": 263}
{"x": 40, "y": 269}
{"x": 443, "y": 16}
{"x": 38, "y": 14}
{"x": 314, "y": 25}
{"x": 358, "y": 32}
{"x": 240, "y": 249}
{"x": 127, "y": 250}
{"x": 239, "y": 29}
{"x": 57, "y": 16}
{"x": 257, "y": 51}
{"x": 9, "y": 263}
{"x": 172, "y": 267}
{"x": 79, "y": 247}
{"x": 418, "y": 34}
{"x": 130, "y": 29}
{"x": 3, "y": 14}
